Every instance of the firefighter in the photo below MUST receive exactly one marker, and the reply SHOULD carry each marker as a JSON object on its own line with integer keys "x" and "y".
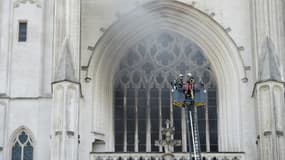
{"x": 189, "y": 87}
{"x": 178, "y": 83}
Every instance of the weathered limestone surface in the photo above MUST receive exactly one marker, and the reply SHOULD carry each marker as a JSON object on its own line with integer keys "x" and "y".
{"x": 270, "y": 119}
{"x": 66, "y": 87}
{"x": 57, "y": 47}
{"x": 65, "y": 110}
{"x": 268, "y": 38}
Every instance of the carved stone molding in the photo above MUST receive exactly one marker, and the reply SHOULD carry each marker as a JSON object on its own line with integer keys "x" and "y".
{"x": 17, "y": 3}
{"x": 191, "y": 23}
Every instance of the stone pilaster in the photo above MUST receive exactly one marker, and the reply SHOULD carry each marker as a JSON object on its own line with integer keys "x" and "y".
{"x": 270, "y": 111}
{"x": 66, "y": 86}
{"x": 65, "y": 109}
{"x": 64, "y": 136}
{"x": 67, "y": 30}
{"x": 268, "y": 47}
{"x": 267, "y": 30}
{"x": 3, "y": 107}
{"x": 5, "y": 38}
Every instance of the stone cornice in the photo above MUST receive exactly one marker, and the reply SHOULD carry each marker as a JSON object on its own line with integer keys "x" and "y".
{"x": 68, "y": 81}
{"x": 24, "y": 98}
{"x": 266, "y": 81}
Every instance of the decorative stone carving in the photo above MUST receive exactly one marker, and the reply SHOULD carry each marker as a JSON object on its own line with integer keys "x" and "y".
{"x": 168, "y": 142}
{"x": 17, "y": 3}
{"x": 270, "y": 65}
{"x": 66, "y": 93}
{"x": 157, "y": 156}
{"x": 66, "y": 87}
{"x": 159, "y": 58}
{"x": 268, "y": 45}
{"x": 65, "y": 110}
{"x": 149, "y": 67}
{"x": 65, "y": 68}
{"x": 270, "y": 115}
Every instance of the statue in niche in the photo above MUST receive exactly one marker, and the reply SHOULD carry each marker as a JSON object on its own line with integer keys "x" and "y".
{"x": 269, "y": 68}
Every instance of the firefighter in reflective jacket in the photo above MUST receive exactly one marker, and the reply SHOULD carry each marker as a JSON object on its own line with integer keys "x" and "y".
{"x": 178, "y": 83}
{"x": 189, "y": 87}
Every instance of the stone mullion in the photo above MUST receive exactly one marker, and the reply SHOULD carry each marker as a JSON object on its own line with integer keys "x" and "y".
{"x": 125, "y": 119}
{"x": 183, "y": 131}
{"x": 207, "y": 124}
{"x": 171, "y": 115}
{"x": 136, "y": 122}
{"x": 160, "y": 116}
{"x": 223, "y": 131}
{"x": 22, "y": 151}
{"x": 171, "y": 108}
{"x": 148, "y": 129}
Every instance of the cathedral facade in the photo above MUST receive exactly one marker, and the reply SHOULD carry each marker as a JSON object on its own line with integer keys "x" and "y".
{"x": 91, "y": 79}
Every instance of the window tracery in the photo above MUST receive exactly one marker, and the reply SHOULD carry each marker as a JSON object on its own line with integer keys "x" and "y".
{"x": 143, "y": 97}
{"x": 22, "y": 148}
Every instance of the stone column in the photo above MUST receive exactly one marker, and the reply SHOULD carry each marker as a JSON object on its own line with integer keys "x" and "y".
{"x": 268, "y": 45}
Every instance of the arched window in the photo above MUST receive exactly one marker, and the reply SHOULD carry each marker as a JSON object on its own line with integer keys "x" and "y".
{"x": 143, "y": 93}
{"x": 22, "y": 147}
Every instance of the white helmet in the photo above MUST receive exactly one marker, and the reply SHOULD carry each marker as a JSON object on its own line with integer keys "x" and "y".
{"x": 180, "y": 75}
{"x": 189, "y": 74}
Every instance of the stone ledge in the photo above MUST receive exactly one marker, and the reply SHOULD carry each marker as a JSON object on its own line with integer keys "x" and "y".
{"x": 148, "y": 156}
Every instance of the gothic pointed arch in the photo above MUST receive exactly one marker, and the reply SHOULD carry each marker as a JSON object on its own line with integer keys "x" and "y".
{"x": 22, "y": 143}
{"x": 142, "y": 91}
{"x": 218, "y": 46}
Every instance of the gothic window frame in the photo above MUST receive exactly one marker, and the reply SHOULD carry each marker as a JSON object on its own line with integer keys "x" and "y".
{"x": 14, "y": 139}
{"x": 129, "y": 68}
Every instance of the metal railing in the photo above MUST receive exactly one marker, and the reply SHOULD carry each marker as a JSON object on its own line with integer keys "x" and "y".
{"x": 158, "y": 156}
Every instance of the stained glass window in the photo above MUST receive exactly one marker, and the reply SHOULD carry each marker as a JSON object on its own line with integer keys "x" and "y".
{"x": 143, "y": 93}
{"x": 23, "y": 147}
